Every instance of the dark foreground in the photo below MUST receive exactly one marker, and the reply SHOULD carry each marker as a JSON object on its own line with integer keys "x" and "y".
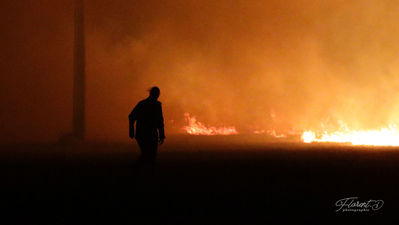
{"x": 196, "y": 183}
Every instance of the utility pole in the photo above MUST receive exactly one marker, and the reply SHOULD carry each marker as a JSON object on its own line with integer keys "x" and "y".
{"x": 78, "y": 130}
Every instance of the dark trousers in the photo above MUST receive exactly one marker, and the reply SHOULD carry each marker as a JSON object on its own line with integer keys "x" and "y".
{"x": 148, "y": 150}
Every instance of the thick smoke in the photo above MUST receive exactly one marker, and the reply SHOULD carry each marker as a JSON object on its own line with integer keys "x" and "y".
{"x": 301, "y": 64}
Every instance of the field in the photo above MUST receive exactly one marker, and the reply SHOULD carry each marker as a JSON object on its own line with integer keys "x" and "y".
{"x": 197, "y": 180}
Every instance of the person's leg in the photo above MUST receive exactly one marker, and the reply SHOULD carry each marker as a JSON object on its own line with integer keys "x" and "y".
{"x": 143, "y": 151}
{"x": 152, "y": 151}
{"x": 148, "y": 150}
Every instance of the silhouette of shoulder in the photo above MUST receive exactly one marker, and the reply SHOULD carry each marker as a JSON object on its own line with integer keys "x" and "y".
{"x": 147, "y": 104}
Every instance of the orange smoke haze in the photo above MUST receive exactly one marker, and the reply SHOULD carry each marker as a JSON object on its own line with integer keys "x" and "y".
{"x": 254, "y": 65}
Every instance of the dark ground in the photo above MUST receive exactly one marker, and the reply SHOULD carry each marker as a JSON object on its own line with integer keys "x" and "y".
{"x": 196, "y": 183}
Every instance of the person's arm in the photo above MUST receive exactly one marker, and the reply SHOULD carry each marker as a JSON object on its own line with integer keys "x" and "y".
{"x": 161, "y": 129}
{"x": 132, "y": 120}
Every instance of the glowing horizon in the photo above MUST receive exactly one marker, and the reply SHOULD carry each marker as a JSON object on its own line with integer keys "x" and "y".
{"x": 386, "y": 136}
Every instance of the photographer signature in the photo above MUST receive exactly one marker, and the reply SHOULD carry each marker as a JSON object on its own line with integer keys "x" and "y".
{"x": 352, "y": 204}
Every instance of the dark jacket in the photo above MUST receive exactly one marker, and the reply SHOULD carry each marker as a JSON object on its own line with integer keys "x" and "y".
{"x": 149, "y": 117}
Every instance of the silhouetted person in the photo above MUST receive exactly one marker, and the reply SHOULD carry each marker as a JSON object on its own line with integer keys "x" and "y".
{"x": 149, "y": 126}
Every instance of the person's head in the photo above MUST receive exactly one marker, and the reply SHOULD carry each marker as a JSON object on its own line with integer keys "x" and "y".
{"x": 154, "y": 93}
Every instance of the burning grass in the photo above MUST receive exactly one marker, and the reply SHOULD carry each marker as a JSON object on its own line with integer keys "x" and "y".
{"x": 386, "y": 136}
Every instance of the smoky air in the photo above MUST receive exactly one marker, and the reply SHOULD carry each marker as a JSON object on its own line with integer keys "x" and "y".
{"x": 251, "y": 65}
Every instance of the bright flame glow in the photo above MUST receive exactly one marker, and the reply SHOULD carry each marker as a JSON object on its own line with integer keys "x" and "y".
{"x": 388, "y": 136}
{"x": 197, "y": 128}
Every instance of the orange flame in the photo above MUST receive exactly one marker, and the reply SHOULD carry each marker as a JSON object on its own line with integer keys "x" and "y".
{"x": 197, "y": 128}
{"x": 388, "y": 136}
